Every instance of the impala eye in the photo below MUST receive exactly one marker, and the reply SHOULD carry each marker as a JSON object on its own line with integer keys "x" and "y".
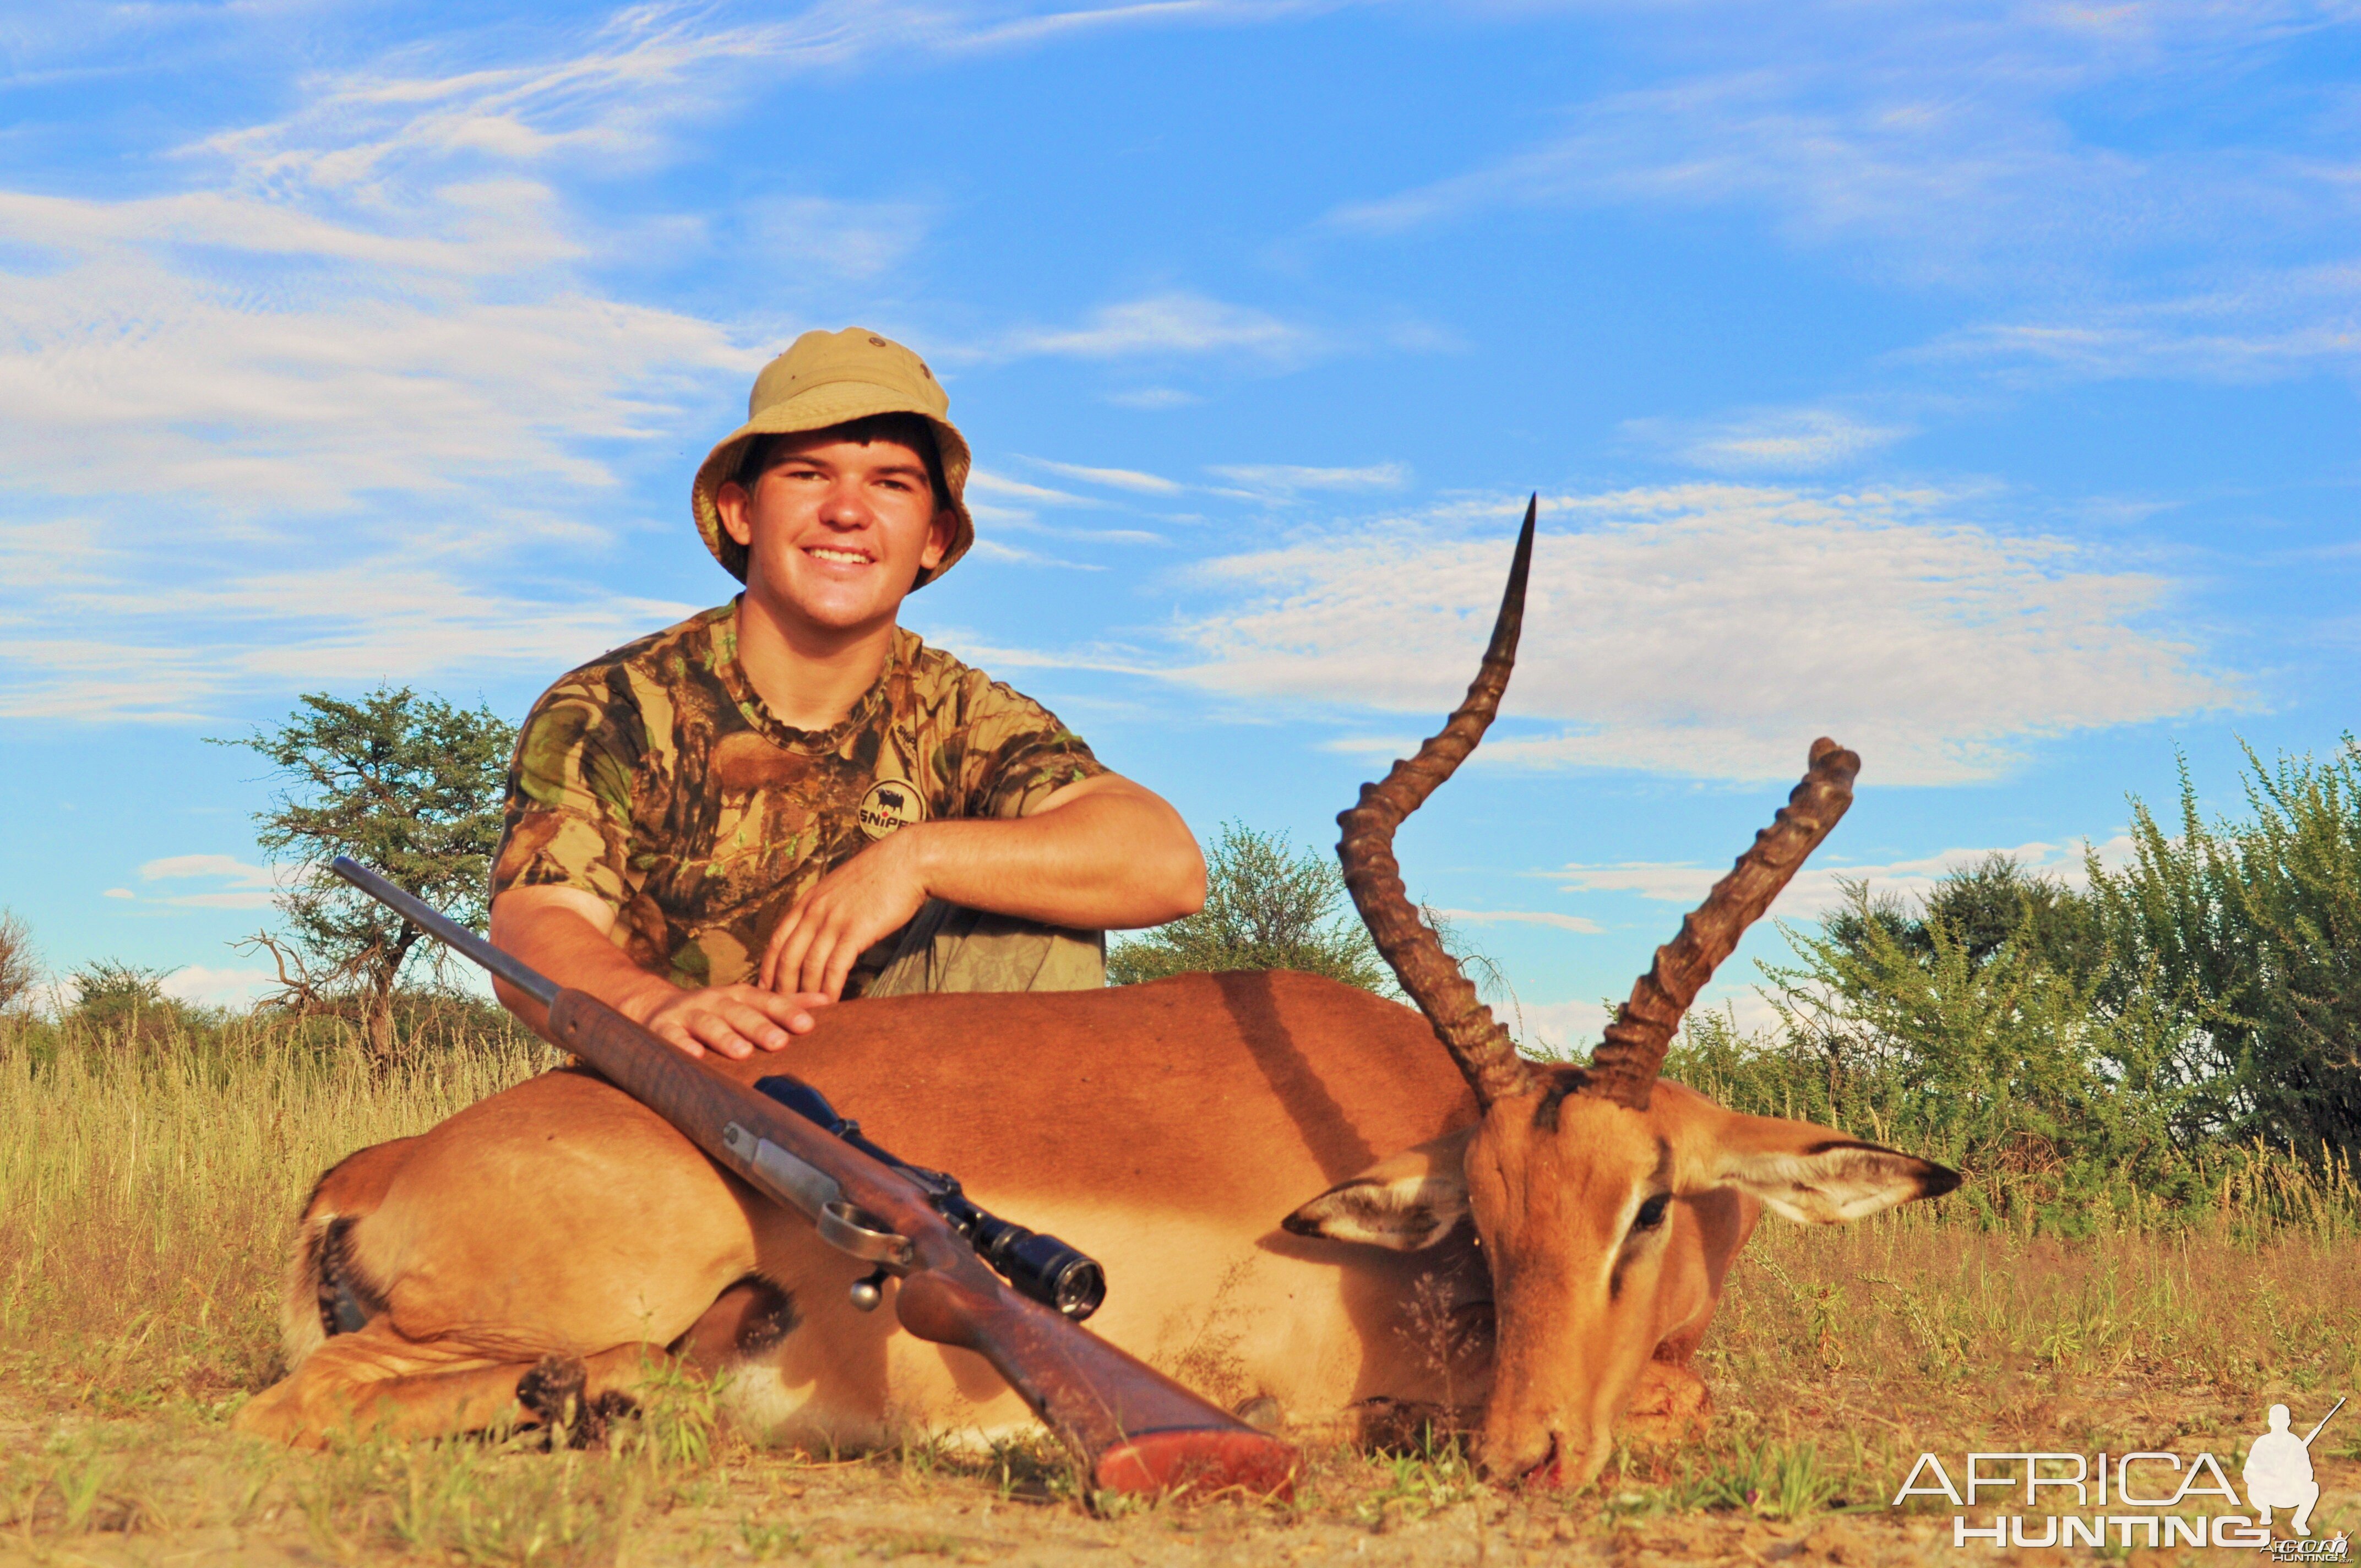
{"x": 1652, "y": 1213}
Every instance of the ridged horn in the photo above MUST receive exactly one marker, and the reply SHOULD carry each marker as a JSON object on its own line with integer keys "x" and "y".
{"x": 1624, "y": 1068}
{"x": 1430, "y": 976}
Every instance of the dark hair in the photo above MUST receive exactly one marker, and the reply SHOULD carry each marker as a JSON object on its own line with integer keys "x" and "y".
{"x": 912, "y": 431}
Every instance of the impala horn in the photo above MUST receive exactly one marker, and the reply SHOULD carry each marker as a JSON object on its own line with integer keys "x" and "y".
{"x": 1432, "y": 978}
{"x": 1624, "y": 1068}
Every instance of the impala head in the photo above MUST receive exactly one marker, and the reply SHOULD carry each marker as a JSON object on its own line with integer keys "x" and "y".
{"x": 1579, "y": 1181}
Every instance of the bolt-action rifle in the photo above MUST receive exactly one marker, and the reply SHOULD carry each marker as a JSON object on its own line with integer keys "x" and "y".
{"x": 1134, "y": 1429}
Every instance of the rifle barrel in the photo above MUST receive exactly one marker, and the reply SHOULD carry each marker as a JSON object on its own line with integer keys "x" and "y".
{"x": 2325, "y": 1420}
{"x": 447, "y": 931}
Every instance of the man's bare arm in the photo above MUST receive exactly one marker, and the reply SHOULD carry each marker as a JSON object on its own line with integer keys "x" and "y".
{"x": 563, "y": 932}
{"x": 1101, "y": 853}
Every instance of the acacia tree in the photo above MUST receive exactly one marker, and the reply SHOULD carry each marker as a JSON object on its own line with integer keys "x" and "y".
{"x": 408, "y": 785}
{"x": 1267, "y": 906}
{"x": 20, "y": 971}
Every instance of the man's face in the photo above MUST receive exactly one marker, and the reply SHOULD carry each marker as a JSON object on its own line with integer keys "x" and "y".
{"x": 836, "y": 531}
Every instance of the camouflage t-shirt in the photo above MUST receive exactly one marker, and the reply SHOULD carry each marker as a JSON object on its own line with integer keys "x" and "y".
{"x": 656, "y": 778}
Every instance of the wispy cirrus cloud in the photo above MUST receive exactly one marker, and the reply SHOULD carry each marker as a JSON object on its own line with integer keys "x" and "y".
{"x": 1167, "y": 325}
{"x": 235, "y": 883}
{"x": 179, "y": 655}
{"x": 2257, "y": 325}
{"x": 382, "y": 307}
{"x": 1522, "y": 917}
{"x": 1153, "y": 399}
{"x": 1769, "y": 441}
{"x": 623, "y": 89}
{"x": 1818, "y": 889}
{"x": 1712, "y": 630}
{"x": 2003, "y": 154}
{"x": 1284, "y": 480}
{"x": 1131, "y": 479}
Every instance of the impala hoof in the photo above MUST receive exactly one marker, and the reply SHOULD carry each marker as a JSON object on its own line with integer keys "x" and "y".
{"x": 551, "y": 1394}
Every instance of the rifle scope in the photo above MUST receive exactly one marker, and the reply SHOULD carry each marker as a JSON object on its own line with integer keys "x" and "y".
{"x": 1043, "y": 1267}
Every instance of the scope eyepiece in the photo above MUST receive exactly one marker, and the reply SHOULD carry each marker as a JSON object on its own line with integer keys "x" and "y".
{"x": 1043, "y": 1266}
{"x": 1040, "y": 1266}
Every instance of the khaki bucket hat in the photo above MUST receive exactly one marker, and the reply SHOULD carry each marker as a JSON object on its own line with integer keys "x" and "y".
{"x": 832, "y": 378}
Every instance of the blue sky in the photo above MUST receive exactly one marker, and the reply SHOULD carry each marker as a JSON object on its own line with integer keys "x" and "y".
{"x": 1975, "y": 383}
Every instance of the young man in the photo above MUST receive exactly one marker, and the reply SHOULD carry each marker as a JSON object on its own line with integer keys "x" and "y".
{"x": 789, "y": 799}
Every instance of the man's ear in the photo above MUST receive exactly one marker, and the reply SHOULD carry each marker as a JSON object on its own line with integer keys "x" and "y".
{"x": 732, "y": 503}
{"x": 940, "y": 535}
{"x": 1815, "y": 1175}
{"x": 1406, "y": 1203}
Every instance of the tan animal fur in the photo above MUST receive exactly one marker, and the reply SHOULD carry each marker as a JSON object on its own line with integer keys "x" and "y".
{"x": 1306, "y": 1202}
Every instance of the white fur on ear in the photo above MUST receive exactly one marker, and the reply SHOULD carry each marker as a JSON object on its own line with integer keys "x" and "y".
{"x": 1405, "y": 1203}
{"x": 1408, "y": 1214}
{"x": 1830, "y": 1183}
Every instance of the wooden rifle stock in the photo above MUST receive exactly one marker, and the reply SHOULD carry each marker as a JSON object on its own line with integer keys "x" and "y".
{"x": 1134, "y": 1429}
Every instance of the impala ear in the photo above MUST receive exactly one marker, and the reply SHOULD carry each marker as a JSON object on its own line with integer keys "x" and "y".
{"x": 1406, "y": 1203}
{"x": 1819, "y": 1175}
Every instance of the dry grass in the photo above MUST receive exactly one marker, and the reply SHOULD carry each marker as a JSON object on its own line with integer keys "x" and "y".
{"x": 146, "y": 1192}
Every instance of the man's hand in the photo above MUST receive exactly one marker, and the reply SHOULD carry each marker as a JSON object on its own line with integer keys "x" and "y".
{"x": 849, "y": 911}
{"x": 563, "y": 932}
{"x": 1100, "y": 852}
{"x": 734, "y": 1021}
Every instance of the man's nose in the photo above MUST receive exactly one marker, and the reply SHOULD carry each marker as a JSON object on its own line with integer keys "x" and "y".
{"x": 846, "y": 505}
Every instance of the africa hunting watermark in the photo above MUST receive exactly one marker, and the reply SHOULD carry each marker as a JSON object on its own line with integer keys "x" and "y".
{"x": 2150, "y": 1499}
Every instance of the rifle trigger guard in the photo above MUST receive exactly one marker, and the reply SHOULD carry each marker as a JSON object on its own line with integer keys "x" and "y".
{"x": 862, "y": 1234}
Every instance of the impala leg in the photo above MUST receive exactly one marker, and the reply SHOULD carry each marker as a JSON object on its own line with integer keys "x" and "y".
{"x": 374, "y": 1381}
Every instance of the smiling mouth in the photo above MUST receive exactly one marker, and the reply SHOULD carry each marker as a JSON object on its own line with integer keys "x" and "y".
{"x": 843, "y": 558}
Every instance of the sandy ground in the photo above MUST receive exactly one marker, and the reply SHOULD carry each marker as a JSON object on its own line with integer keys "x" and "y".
{"x": 180, "y": 1490}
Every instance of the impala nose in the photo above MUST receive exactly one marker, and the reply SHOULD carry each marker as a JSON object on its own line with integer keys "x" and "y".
{"x": 1545, "y": 1467}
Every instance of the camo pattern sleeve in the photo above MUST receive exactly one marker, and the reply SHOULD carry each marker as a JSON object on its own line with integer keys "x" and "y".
{"x": 996, "y": 752}
{"x": 657, "y": 780}
{"x": 587, "y": 765}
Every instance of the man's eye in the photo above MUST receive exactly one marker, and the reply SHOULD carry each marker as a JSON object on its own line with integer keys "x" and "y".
{"x": 1652, "y": 1213}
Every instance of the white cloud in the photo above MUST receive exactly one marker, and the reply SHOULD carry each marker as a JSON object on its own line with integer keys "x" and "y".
{"x": 1172, "y": 323}
{"x": 1572, "y": 1030}
{"x": 1113, "y": 478}
{"x": 237, "y": 873}
{"x": 1287, "y": 479}
{"x": 1775, "y": 441}
{"x": 172, "y": 655}
{"x": 124, "y": 370}
{"x": 1816, "y": 892}
{"x": 1713, "y": 630}
{"x": 1988, "y": 149}
{"x": 992, "y": 484}
{"x": 990, "y": 550}
{"x": 239, "y": 884}
{"x": 1522, "y": 917}
{"x": 1153, "y": 399}
{"x": 2254, "y": 327}
{"x": 205, "y": 987}
{"x": 856, "y": 240}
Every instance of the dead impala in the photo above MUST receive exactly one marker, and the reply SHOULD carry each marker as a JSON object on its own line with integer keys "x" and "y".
{"x": 1468, "y": 1230}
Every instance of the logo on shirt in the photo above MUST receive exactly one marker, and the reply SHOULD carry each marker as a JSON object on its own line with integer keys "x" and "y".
{"x": 890, "y": 804}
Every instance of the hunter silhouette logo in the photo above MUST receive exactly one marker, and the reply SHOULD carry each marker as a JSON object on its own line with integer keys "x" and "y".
{"x": 890, "y": 804}
{"x": 2278, "y": 1471}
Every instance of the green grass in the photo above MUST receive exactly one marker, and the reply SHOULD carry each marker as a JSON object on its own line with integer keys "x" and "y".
{"x": 149, "y": 1185}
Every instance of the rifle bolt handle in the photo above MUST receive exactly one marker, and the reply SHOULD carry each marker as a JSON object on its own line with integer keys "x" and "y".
{"x": 868, "y": 1290}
